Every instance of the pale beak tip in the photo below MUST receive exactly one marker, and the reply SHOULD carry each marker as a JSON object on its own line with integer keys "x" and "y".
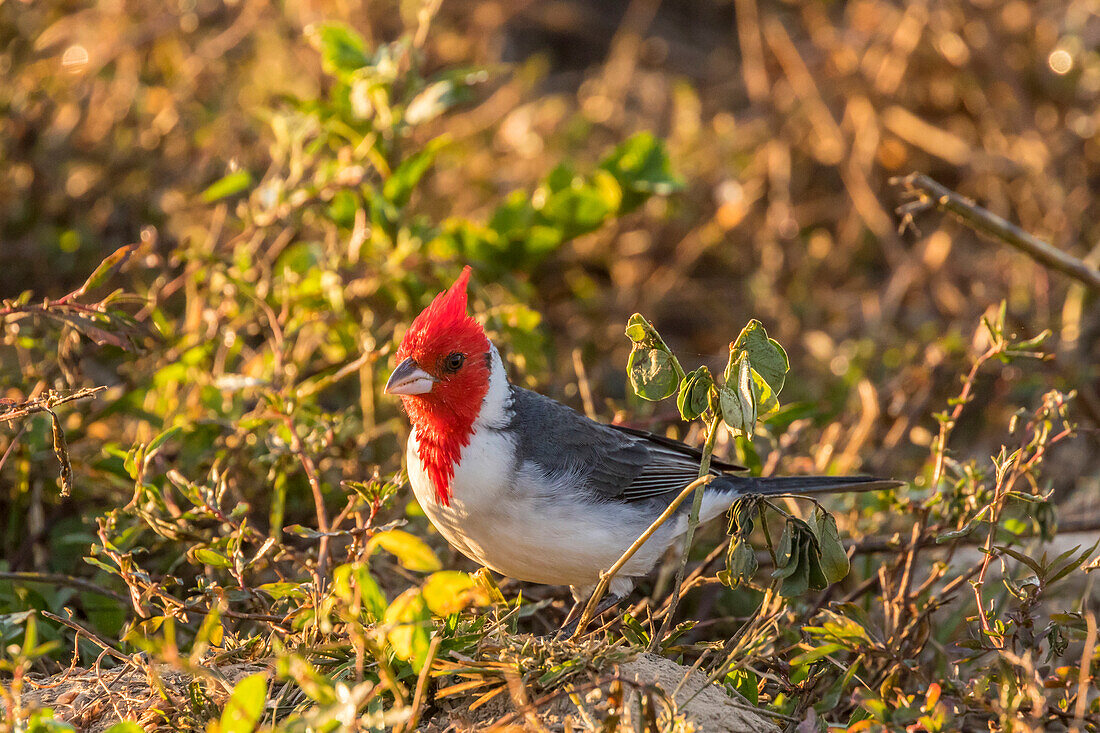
{"x": 409, "y": 379}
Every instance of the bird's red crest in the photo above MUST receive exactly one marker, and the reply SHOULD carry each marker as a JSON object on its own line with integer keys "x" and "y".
{"x": 443, "y": 418}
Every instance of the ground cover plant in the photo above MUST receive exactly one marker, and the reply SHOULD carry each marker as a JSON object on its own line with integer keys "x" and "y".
{"x": 205, "y": 522}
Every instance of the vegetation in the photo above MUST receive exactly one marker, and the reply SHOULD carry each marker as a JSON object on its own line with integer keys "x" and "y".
{"x": 204, "y": 521}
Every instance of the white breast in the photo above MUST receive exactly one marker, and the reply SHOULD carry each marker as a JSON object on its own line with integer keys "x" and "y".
{"x": 515, "y": 523}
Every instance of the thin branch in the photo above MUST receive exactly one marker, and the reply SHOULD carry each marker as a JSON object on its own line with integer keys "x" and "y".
{"x": 693, "y": 522}
{"x": 11, "y": 446}
{"x": 45, "y": 404}
{"x": 90, "y": 636}
{"x": 929, "y": 193}
{"x": 318, "y": 500}
{"x": 1083, "y": 675}
{"x": 422, "y": 684}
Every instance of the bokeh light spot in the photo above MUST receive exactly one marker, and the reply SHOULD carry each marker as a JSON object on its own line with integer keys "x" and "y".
{"x": 1060, "y": 61}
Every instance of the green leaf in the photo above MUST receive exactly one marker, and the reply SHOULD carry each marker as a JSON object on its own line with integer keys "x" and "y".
{"x": 342, "y": 49}
{"x": 641, "y": 166}
{"x": 228, "y": 185}
{"x": 639, "y": 330}
{"x": 106, "y": 268}
{"x": 746, "y": 683}
{"x": 834, "y": 560}
{"x": 766, "y": 400}
{"x": 797, "y": 581}
{"x": 43, "y": 721}
{"x": 766, "y": 357}
{"x": 411, "y": 551}
{"x": 355, "y": 578}
{"x": 784, "y": 553}
{"x": 797, "y": 562}
{"x": 737, "y": 399}
{"x": 581, "y": 206}
{"x": 207, "y": 556}
{"x": 694, "y": 395}
{"x": 812, "y": 557}
{"x": 741, "y": 563}
{"x": 1032, "y": 343}
{"x": 160, "y": 440}
{"x": 1071, "y": 564}
{"x": 303, "y": 531}
{"x": 399, "y": 186}
{"x": 280, "y": 590}
{"x": 816, "y": 653}
{"x": 409, "y": 623}
{"x": 634, "y": 632}
{"x": 245, "y": 705}
{"x": 652, "y": 373}
{"x": 964, "y": 530}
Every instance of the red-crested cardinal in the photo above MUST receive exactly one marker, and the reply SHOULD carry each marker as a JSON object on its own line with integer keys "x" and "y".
{"x": 531, "y": 488}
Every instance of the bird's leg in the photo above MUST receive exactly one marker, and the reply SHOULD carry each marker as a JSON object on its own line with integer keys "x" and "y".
{"x": 574, "y": 613}
{"x": 573, "y": 619}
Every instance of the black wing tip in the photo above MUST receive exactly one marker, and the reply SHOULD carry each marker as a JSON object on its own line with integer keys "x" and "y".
{"x": 822, "y": 485}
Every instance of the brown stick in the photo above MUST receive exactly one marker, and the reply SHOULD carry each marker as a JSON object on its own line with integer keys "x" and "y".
{"x": 318, "y": 501}
{"x": 45, "y": 404}
{"x": 930, "y": 193}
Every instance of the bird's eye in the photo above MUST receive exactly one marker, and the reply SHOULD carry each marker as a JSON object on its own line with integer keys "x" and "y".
{"x": 453, "y": 362}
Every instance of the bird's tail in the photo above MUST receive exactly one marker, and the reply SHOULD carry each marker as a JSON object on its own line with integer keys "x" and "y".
{"x": 795, "y": 485}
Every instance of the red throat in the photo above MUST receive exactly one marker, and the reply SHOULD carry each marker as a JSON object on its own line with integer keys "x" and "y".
{"x": 443, "y": 419}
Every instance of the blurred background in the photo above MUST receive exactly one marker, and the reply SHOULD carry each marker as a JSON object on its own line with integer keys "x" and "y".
{"x": 785, "y": 120}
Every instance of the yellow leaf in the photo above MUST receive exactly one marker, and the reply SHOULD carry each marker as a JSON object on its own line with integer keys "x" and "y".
{"x": 411, "y": 551}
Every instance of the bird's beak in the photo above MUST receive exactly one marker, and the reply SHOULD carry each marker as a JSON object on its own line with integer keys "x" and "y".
{"x": 409, "y": 379}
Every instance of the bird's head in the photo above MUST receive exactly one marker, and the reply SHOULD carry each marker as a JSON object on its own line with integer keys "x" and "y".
{"x": 442, "y": 376}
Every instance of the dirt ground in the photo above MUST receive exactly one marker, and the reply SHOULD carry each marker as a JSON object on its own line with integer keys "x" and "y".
{"x": 698, "y": 706}
{"x": 155, "y": 697}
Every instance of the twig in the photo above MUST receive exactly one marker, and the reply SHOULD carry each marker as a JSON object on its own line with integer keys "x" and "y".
{"x": 45, "y": 404}
{"x": 318, "y": 499}
{"x": 583, "y": 387}
{"x": 312, "y": 388}
{"x": 605, "y": 578}
{"x": 1083, "y": 675}
{"x": 693, "y": 522}
{"x": 948, "y": 425}
{"x": 422, "y": 684}
{"x": 931, "y": 193}
{"x": 90, "y": 636}
{"x": 11, "y": 446}
{"x": 63, "y": 580}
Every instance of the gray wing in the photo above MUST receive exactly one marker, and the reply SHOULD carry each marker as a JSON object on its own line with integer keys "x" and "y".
{"x": 618, "y": 464}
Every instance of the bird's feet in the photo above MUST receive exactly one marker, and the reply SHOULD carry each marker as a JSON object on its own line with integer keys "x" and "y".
{"x": 572, "y": 620}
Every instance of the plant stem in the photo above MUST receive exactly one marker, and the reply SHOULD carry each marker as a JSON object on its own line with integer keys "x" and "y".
{"x": 318, "y": 503}
{"x": 930, "y": 193}
{"x": 693, "y": 522}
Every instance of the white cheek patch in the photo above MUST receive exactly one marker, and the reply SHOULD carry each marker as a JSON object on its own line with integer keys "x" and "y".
{"x": 496, "y": 407}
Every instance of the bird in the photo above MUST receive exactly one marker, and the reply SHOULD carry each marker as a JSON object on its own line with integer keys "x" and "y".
{"x": 532, "y": 489}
